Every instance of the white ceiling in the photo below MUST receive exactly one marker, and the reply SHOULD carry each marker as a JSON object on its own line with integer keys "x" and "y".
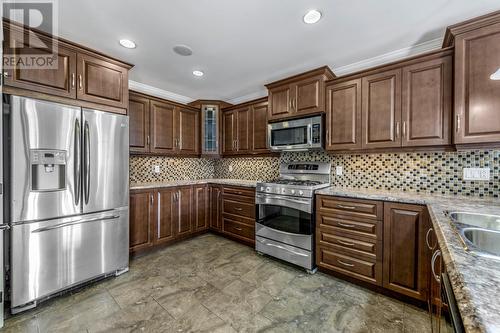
{"x": 241, "y": 45}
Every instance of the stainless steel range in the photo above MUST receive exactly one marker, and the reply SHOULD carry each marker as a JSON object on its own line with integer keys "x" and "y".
{"x": 285, "y": 212}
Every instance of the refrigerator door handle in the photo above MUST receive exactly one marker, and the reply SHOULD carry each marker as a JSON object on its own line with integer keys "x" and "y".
{"x": 86, "y": 173}
{"x": 62, "y": 225}
{"x": 78, "y": 144}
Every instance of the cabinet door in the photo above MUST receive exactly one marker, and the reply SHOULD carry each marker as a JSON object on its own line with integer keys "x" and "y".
{"x": 141, "y": 218}
{"x": 280, "y": 102}
{"x": 243, "y": 119}
{"x": 165, "y": 214}
{"x": 406, "y": 262}
{"x": 200, "y": 207}
{"x": 138, "y": 111}
{"x": 259, "y": 128}
{"x": 210, "y": 130}
{"x": 477, "y": 97}
{"x": 308, "y": 97}
{"x": 427, "y": 103}
{"x": 381, "y": 105}
{"x": 343, "y": 115}
{"x": 183, "y": 211}
{"x": 100, "y": 81}
{"x": 59, "y": 81}
{"x": 188, "y": 142}
{"x": 215, "y": 207}
{"x": 162, "y": 120}
{"x": 229, "y": 132}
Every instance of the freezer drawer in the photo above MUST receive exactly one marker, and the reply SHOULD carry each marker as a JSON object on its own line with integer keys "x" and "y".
{"x": 50, "y": 256}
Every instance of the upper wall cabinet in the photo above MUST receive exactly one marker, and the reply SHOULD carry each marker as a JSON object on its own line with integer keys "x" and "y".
{"x": 245, "y": 128}
{"x": 80, "y": 73}
{"x": 299, "y": 95}
{"x": 162, "y": 128}
{"x": 477, "y": 94}
{"x": 405, "y": 104}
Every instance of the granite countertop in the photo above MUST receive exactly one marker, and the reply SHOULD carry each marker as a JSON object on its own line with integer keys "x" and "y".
{"x": 475, "y": 280}
{"x": 174, "y": 183}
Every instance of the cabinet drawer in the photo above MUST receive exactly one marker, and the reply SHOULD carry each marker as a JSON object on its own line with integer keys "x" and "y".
{"x": 326, "y": 238}
{"x": 247, "y": 192}
{"x": 349, "y": 207}
{"x": 239, "y": 208}
{"x": 366, "y": 270}
{"x": 238, "y": 229}
{"x": 360, "y": 228}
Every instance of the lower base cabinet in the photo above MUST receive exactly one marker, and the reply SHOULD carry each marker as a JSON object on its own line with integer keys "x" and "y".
{"x": 164, "y": 215}
{"x": 377, "y": 242}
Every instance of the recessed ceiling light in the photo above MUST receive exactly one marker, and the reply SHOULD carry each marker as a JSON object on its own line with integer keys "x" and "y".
{"x": 198, "y": 73}
{"x": 312, "y": 16}
{"x": 183, "y": 50}
{"x": 495, "y": 76}
{"x": 127, "y": 43}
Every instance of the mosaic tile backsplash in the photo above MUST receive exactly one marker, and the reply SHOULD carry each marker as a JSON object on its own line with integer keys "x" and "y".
{"x": 432, "y": 172}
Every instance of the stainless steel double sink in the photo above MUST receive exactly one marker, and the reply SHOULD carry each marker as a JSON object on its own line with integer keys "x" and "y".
{"x": 480, "y": 232}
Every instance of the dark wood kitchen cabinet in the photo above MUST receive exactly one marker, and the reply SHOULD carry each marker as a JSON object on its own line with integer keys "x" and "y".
{"x": 165, "y": 214}
{"x": 188, "y": 141}
{"x": 299, "y": 95}
{"x": 259, "y": 128}
{"x": 162, "y": 132}
{"x": 201, "y": 210}
{"x": 215, "y": 207}
{"x": 406, "y": 264}
{"x": 343, "y": 115}
{"x": 404, "y": 104}
{"x": 245, "y": 128}
{"x": 101, "y": 81}
{"x": 381, "y": 107}
{"x": 238, "y": 213}
{"x": 427, "y": 103}
{"x": 141, "y": 219}
{"x": 477, "y": 96}
{"x": 138, "y": 112}
{"x": 183, "y": 212}
{"x": 162, "y": 127}
{"x": 79, "y": 73}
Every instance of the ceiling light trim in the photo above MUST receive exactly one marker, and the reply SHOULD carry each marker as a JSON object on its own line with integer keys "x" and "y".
{"x": 389, "y": 57}
{"x": 157, "y": 92}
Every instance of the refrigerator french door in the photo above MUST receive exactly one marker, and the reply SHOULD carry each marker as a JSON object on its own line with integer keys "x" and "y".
{"x": 68, "y": 198}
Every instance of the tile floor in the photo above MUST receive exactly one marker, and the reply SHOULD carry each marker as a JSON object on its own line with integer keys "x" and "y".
{"x": 211, "y": 284}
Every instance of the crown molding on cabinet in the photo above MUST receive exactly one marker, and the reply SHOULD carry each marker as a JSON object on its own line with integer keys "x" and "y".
{"x": 157, "y": 92}
{"x": 248, "y": 97}
{"x": 382, "y": 59}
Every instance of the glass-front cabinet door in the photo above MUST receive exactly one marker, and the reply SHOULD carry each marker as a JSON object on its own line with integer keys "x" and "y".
{"x": 210, "y": 129}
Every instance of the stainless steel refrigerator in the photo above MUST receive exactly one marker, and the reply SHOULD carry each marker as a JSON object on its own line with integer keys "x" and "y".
{"x": 68, "y": 198}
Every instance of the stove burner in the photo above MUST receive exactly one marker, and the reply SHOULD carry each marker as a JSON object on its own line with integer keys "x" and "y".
{"x": 297, "y": 182}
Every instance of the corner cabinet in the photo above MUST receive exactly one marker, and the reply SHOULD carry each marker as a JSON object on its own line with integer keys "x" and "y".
{"x": 299, "y": 95}
{"x": 477, "y": 96}
{"x": 81, "y": 74}
{"x": 161, "y": 127}
{"x": 210, "y": 129}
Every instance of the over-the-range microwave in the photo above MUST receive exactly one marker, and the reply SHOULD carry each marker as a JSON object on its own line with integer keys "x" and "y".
{"x": 296, "y": 135}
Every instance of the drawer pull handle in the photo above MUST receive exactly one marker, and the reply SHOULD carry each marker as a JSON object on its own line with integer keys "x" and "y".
{"x": 346, "y": 225}
{"x": 344, "y": 263}
{"x": 239, "y": 192}
{"x": 345, "y": 243}
{"x": 238, "y": 228}
{"x": 345, "y": 207}
{"x": 238, "y": 209}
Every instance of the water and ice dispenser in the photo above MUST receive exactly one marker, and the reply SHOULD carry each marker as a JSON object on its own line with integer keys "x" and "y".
{"x": 48, "y": 170}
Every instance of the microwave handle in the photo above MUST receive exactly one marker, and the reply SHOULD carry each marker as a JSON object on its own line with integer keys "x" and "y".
{"x": 309, "y": 134}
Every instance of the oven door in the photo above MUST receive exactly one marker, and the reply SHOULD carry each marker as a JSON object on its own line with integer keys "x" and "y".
{"x": 285, "y": 219}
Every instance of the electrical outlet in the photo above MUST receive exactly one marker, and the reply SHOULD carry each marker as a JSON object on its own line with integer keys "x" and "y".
{"x": 230, "y": 168}
{"x": 476, "y": 174}
{"x": 156, "y": 169}
{"x": 339, "y": 170}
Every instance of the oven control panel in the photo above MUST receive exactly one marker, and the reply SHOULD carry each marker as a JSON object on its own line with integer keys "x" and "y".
{"x": 297, "y": 192}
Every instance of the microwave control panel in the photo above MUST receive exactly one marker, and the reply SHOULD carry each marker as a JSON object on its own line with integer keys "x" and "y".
{"x": 316, "y": 133}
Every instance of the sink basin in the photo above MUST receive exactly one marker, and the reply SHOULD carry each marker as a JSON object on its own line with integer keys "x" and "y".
{"x": 486, "y": 241}
{"x": 490, "y": 222}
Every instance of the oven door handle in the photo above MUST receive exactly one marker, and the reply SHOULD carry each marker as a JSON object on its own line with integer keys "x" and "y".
{"x": 261, "y": 222}
{"x": 277, "y": 200}
{"x": 282, "y": 248}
